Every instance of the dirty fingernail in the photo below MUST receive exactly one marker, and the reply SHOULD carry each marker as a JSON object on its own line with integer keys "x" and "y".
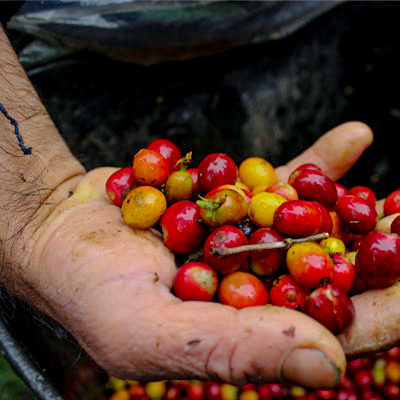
{"x": 310, "y": 368}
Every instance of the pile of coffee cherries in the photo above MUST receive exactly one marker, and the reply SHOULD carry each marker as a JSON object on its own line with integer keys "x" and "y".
{"x": 372, "y": 378}
{"x": 244, "y": 239}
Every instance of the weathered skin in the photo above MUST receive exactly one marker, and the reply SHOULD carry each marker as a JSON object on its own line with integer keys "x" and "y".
{"x": 109, "y": 285}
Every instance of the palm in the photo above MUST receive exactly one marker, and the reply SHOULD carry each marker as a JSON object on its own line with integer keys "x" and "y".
{"x": 110, "y": 287}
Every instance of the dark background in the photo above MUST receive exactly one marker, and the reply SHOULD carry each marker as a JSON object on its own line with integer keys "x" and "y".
{"x": 272, "y": 99}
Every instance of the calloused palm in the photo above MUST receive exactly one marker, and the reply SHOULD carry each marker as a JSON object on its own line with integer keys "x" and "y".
{"x": 110, "y": 286}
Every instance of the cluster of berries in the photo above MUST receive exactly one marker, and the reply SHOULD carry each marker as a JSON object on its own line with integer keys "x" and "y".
{"x": 371, "y": 378}
{"x": 250, "y": 240}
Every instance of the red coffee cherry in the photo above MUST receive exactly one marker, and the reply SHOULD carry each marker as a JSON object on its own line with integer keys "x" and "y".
{"x": 118, "y": 182}
{"x": 149, "y": 168}
{"x": 344, "y": 272}
{"x": 169, "y": 151}
{"x": 357, "y": 214}
{"x": 365, "y": 193}
{"x": 378, "y": 259}
{"x": 331, "y": 307}
{"x": 286, "y": 292}
{"x": 303, "y": 167}
{"x": 215, "y": 170}
{"x": 392, "y": 203}
{"x": 195, "y": 280}
{"x": 181, "y": 229}
{"x": 241, "y": 289}
{"x": 395, "y": 226}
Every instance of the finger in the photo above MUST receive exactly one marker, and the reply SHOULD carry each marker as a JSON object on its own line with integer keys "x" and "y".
{"x": 377, "y": 322}
{"x": 164, "y": 338}
{"x": 335, "y": 152}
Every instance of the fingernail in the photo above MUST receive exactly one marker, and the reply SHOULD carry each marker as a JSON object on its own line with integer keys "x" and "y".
{"x": 310, "y": 368}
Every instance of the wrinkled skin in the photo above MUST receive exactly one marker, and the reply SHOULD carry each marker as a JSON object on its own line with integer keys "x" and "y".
{"x": 110, "y": 286}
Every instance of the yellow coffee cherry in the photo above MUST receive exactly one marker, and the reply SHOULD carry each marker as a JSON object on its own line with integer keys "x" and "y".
{"x": 242, "y": 185}
{"x": 256, "y": 171}
{"x": 143, "y": 207}
{"x": 333, "y": 245}
{"x": 262, "y": 208}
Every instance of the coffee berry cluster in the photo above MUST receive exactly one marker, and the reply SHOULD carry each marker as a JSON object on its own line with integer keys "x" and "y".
{"x": 247, "y": 239}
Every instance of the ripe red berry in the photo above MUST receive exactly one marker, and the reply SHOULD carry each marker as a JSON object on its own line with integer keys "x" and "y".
{"x": 303, "y": 167}
{"x": 213, "y": 391}
{"x": 331, "y": 307}
{"x": 357, "y": 214}
{"x": 241, "y": 289}
{"x": 181, "y": 229}
{"x": 194, "y": 173}
{"x": 265, "y": 262}
{"x": 195, "y": 390}
{"x": 392, "y": 203}
{"x": 365, "y": 193}
{"x": 215, "y": 170}
{"x": 169, "y": 151}
{"x": 363, "y": 379}
{"x": 327, "y": 223}
{"x": 378, "y": 259}
{"x": 343, "y": 274}
{"x": 314, "y": 185}
{"x": 395, "y": 226}
{"x": 297, "y": 218}
{"x": 118, "y": 182}
{"x": 286, "y": 292}
{"x": 195, "y": 280}
{"x": 225, "y": 236}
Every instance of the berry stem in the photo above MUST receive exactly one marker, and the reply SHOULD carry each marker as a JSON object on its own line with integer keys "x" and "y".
{"x": 286, "y": 243}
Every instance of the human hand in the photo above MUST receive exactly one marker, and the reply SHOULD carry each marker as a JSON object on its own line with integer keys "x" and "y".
{"x": 110, "y": 286}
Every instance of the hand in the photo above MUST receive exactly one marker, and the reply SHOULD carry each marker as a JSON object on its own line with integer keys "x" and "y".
{"x": 110, "y": 286}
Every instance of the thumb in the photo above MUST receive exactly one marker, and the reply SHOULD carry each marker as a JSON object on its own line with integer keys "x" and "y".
{"x": 170, "y": 339}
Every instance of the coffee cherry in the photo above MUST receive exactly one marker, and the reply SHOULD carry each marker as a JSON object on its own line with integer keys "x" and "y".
{"x": 181, "y": 229}
{"x": 297, "y": 218}
{"x": 213, "y": 391}
{"x": 241, "y": 289}
{"x": 344, "y": 272}
{"x": 392, "y": 203}
{"x": 385, "y": 223}
{"x": 179, "y": 186}
{"x": 195, "y": 280}
{"x": 285, "y": 292}
{"x": 256, "y": 171}
{"x": 341, "y": 190}
{"x": 169, "y": 151}
{"x": 365, "y": 193}
{"x": 155, "y": 390}
{"x": 284, "y": 189}
{"x": 303, "y": 167}
{"x": 215, "y": 170}
{"x": 378, "y": 259}
{"x": 309, "y": 264}
{"x": 331, "y": 307}
{"x": 357, "y": 214}
{"x": 149, "y": 168}
{"x": 143, "y": 207}
{"x": 118, "y": 182}
{"x": 225, "y": 236}
{"x": 327, "y": 223}
{"x": 195, "y": 390}
{"x": 314, "y": 185}
{"x": 333, "y": 245}
{"x": 229, "y": 392}
{"x": 262, "y": 208}
{"x": 223, "y": 205}
{"x": 265, "y": 262}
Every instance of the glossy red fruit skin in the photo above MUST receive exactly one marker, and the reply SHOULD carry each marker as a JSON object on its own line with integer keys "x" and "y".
{"x": 265, "y": 262}
{"x": 264, "y": 392}
{"x": 346, "y": 395}
{"x": 194, "y": 173}
{"x": 331, "y": 307}
{"x": 395, "y": 226}
{"x": 169, "y": 151}
{"x": 364, "y": 192}
{"x": 286, "y": 292}
{"x": 346, "y": 383}
{"x": 215, "y": 170}
{"x": 326, "y": 394}
{"x": 195, "y": 391}
{"x": 241, "y": 289}
{"x": 392, "y": 203}
{"x": 181, "y": 231}
{"x": 298, "y": 218}
{"x": 357, "y": 214}
{"x": 378, "y": 259}
{"x": 173, "y": 393}
{"x": 149, "y": 168}
{"x": 225, "y": 236}
{"x": 343, "y": 274}
{"x": 363, "y": 379}
{"x": 327, "y": 223}
{"x": 314, "y": 185}
{"x": 195, "y": 281}
{"x": 303, "y": 167}
{"x": 118, "y": 182}
{"x": 213, "y": 391}
{"x": 341, "y": 190}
